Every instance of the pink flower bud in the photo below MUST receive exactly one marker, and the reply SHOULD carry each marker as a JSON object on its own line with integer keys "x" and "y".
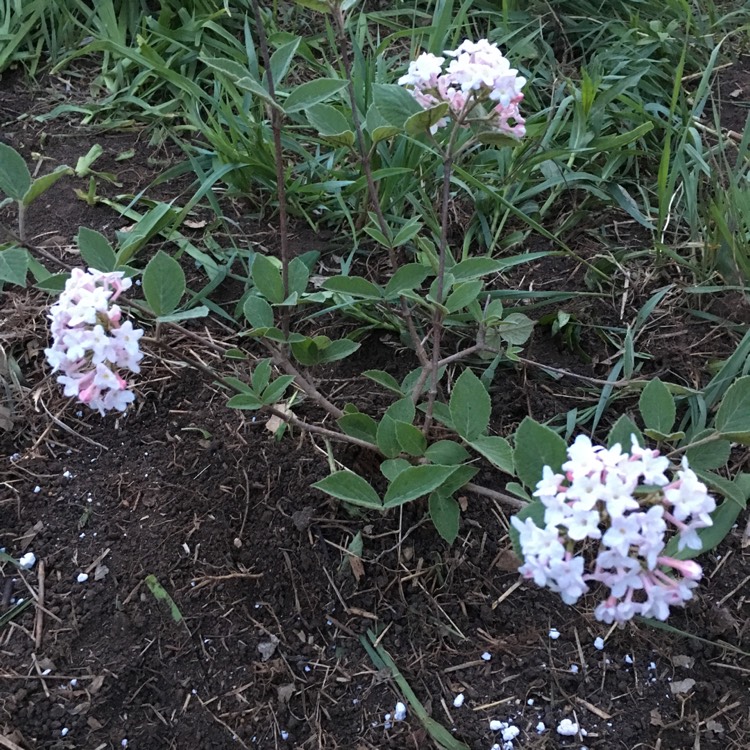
{"x": 688, "y": 568}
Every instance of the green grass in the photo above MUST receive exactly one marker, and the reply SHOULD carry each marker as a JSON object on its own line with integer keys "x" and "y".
{"x": 616, "y": 104}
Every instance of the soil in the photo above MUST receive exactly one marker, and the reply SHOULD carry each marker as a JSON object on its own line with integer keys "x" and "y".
{"x": 265, "y": 644}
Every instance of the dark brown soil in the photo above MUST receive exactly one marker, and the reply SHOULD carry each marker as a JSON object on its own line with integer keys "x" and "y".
{"x": 269, "y": 651}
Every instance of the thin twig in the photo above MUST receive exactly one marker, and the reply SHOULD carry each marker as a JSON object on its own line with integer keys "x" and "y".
{"x": 585, "y": 378}
{"x": 437, "y": 315}
{"x": 35, "y": 249}
{"x": 289, "y": 418}
{"x": 275, "y": 114}
{"x": 39, "y": 623}
{"x": 281, "y": 360}
{"x": 507, "y": 500}
{"x": 372, "y": 189}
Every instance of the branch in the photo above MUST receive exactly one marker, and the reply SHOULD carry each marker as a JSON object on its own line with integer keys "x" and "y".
{"x": 275, "y": 115}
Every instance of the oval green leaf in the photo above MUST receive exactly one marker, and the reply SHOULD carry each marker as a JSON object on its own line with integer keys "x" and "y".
{"x": 348, "y": 486}
{"x": 657, "y": 407}
{"x": 163, "y": 283}
{"x": 415, "y": 482}
{"x": 470, "y": 406}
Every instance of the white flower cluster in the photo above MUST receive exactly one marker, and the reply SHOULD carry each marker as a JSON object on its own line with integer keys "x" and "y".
{"x": 89, "y": 340}
{"x": 623, "y": 505}
{"x": 477, "y": 73}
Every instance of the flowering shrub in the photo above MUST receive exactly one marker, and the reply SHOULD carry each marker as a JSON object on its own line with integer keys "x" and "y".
{"x": 89, "y": 340}
{"x": 477, "y": 74}
{"x": 622, "y": 506}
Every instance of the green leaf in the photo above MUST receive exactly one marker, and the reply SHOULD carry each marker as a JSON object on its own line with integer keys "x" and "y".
{"x": 313, "y": 92}
{"x": 392, "y": 467}
{"x": 356, "y": 286}
{"x": 261, "y": 375}
{"x": 194, "y": 312}
{"x": 53, "y": 283}
{"x": 515, "y": 328}
{"x": 96, "y": 250}
{"x": 15, "y": 178}
{"x": 411, "y": 380}
{"x": 241, "y": 76}
{"x": 348, "y": 486}
{"x": 470, "y": 406}
{"x": 407, "y": 232}
{"x": 383, "y": 660}
{"x": 496, "y": 139}
{"x": 238, "y": 385}
{"x": 281, "y": 60}
{"x": 712, "y": 455}
{"x": 258, "y": 312}
{"x": 657, "y": 407}
{"x": 16, "y": 609}
{"x": 621, "y": 431}
{"x": 42, "y": 184}
{"x": 316, "y": 5}
{"x": 160, "y": 593}
{"x": 419, "y": 122}
{"x": 361, "y": 426}
{"x": 441, "y": 413}
{"x": 377, "y": 235}
{"x": 415, "y": 482}
{"x": 474, "y": 268}
{"x": 337, "y": 350}
{"x": 496, "y": 450}
{"x": 433, "y": 293}
{"x": 386, "y": 437}
{"x": 357, "y": 546}
{"x": 724, "y": 517}
{"x": 403, "y": 410}
{"x": 629, "y": 204}
{"x": 306, "y": 352}
{"x": 664, "y": 437}
{"x": 14, "y": 263}
{"x": 537, "y": 446}
{"x": 267, "y": 278}
{"x": 245, "y": 401}
{"x": 463, "y": 294}
{"x": 383, "y": 378}
{"x": 83, "y": 165}
{"x": 736, "y": 491}
{"x": 394, "y": 104}
{"x": 447, "y": 452}
{"x": 163, "y": 283}
{"x": 733, "y": 417}
{"x": 408, "y": 277}
{"x": 458, "y": 479}
{"x": 410, "y": 438}
{"x": 147, "y": 226}
{"x": 379, "y": 128}
{"x": 299, "y": 275}
{"x": 514, "y": 488}
{"x": 400, "y": 411}
{"x": 535, "y": 511}
{"x": 274, "y": 392}
{"x": 445, "y": 515}
{"x": 330, "y": 124}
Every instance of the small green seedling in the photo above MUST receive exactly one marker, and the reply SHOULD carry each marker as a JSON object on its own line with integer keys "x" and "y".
{"x": 383, "y": 660}
{"x": 160, "y": 594}
{"x": 18, "y": 185}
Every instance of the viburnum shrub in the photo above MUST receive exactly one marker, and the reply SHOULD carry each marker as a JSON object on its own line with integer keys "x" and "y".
{"x": 614, "y": 511}
{"x": 607, "y": 519}
{"x": 90, "y": 341}
{"x": 478, "y": 74}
